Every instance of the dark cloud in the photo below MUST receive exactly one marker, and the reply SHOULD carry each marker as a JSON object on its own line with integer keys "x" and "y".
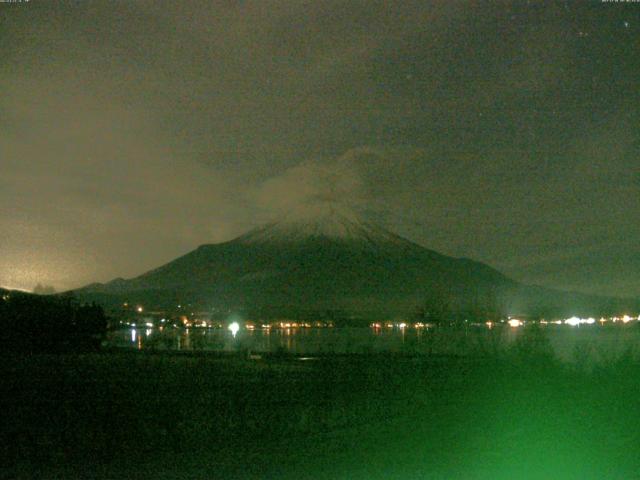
{"x": 131, "y": 132}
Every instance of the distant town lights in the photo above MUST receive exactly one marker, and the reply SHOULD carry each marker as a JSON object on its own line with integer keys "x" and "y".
{"x": 575, "y": 321}
{"x": 514, "y": 322}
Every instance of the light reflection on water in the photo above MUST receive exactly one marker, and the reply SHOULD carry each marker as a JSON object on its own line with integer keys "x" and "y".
{"x": 567, "y": 342}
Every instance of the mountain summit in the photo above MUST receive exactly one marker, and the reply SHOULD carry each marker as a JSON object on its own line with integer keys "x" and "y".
{"x": 327, "y": 222}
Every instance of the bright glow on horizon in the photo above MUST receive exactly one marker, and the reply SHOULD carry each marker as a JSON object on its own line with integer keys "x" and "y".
{"x": 514, "y": 322}
{"x": 17, "y": 289}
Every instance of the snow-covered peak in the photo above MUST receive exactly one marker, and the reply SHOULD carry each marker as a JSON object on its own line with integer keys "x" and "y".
{"x": 323, "y": 221}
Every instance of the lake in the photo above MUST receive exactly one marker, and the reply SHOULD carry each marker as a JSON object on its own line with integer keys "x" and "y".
{"x": 584, "y": 343}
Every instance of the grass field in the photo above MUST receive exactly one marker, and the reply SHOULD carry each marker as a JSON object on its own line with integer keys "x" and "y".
{"x": 514, "y": 415}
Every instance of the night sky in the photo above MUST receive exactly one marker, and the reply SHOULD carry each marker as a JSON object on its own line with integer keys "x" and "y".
{"x": 133, "y": 131}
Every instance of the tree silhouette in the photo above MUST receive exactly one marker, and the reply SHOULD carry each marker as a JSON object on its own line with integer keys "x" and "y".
{"x": 34, "y": 323}
{"x": 40, "y": 289}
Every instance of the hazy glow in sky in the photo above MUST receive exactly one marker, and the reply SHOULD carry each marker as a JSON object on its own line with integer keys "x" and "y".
{"x": 132, "y": 132}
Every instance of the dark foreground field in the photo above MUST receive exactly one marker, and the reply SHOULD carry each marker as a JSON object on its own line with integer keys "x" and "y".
{"x": 511, "y": 415}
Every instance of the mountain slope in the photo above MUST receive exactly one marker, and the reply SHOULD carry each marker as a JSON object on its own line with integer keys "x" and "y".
{"x": 330, "y": 261}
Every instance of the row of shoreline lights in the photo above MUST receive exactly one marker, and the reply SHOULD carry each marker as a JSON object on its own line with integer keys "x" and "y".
{"x": 574, "y": 321}
{"x": 577, "y": 321}
{"x": 234, "y": 327}
{"x": 515, "y": 322}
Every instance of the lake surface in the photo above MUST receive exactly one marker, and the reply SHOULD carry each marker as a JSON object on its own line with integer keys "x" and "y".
{"x": 585, "y": 343}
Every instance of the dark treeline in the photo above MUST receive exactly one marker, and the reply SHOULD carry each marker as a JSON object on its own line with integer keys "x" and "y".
{"x": 37, "y": 324}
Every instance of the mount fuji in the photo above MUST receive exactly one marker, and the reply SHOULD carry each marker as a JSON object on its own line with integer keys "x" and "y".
{"x": 329, "y": 260}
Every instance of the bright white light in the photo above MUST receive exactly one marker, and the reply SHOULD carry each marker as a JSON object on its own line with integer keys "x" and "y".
{"x": 149, "y": 324}
{"x": 139, "y": 309}
{"x": 403, "y": 325}
{"x": 233, "y": 328}
{"x": 133, "y": 335}
{"x": 514, "y": 322}
{"x": 573, "y": 321}
{"x": 626, "y": 318}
